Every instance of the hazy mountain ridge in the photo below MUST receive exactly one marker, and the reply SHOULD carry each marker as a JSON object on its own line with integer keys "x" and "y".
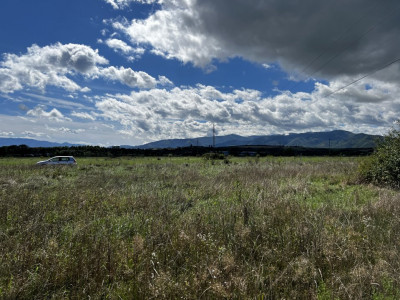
{"x": 333, "y": 139}
{"x": 32, "y": 143}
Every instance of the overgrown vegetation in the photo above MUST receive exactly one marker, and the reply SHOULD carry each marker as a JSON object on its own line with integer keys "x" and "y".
{"x": 267, "y": 228}
{"x": 383, "y": 166}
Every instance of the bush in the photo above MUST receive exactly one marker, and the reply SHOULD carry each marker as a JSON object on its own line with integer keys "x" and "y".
{"x": 213, "y": 156}
{"x": 383, "y": 166}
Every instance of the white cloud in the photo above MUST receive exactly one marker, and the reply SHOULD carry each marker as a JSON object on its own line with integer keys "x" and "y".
{"x": 303, "y": 37}
{"x": 85, "y": 89}
{"x": 267, "y": 66}
{"x": 55, "y": 101}
{"x": 171, "y": 37}
{"x": 49, "y": 65}
{"x": 129, "y": 77}
{"x": 54, "y": 114}
{"x": 119, "y": 45}
{"x": 122, "y": 47}
{"x": 32, "y": 134}
{"x": 121, "y": 4}
{"x": 59, "y": 57}
{"x": 8, "y": 82}
{"x": 164, "y": 81}
{"x": 157, "y": 113}
{"x": 188, "y": 112}
{"x": 57, "y": 65}
{"x": 64, "y": 130}
{"x": 6, "y": 134}
{"x": 83, "y": 115}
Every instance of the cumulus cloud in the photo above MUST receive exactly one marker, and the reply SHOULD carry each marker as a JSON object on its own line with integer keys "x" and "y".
{"x": 54, "y": 114}
{"x": 6, "y": 133}
{"x": 162, "y": 80}
{"x": 64, "y": 130}
{"x": 48, "y": 65}
{"x": 8, "y": 82}
{"x": 120, "y": 46}
{"x": 313, "y": 38}
{"x": 83, "y": 115}
{"x": 129, "y": 77}
{"x": 58, "y": 64}
{"x": 32, "y": 134}
{"x": 121, "y": 4}
{"x": 58, "y": 57}
{"x": 172, "y": 33}
{"x": 188, "y": 112}
{"x": 267, "y": 66}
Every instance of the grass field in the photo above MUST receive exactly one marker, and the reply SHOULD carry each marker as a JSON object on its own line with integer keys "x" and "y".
{"x": 261, "y": 228}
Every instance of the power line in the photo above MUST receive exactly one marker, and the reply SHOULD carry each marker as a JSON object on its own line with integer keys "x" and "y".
{"x": 361, "y": 78}
{"x": 335, "y": 41}
{"x": 341, "y": 51}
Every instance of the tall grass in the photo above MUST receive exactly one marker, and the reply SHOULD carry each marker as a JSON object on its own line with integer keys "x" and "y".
{"x": 190, "y": 228}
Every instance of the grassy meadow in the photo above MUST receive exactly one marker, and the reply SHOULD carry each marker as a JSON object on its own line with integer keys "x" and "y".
{"x": 189, "y": 228}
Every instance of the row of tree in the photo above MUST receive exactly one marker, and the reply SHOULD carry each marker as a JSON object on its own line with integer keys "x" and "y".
{"x": 97, "y": 151}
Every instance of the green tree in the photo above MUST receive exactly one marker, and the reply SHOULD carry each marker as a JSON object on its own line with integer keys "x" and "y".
{"x": 383, "y": 166}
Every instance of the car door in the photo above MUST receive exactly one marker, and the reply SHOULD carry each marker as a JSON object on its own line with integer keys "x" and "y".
{"x": 64, "y": 160}
{"x": 53, "y": 161}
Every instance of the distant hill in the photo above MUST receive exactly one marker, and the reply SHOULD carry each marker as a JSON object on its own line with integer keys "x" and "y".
{"x": 32, "y": 143}
{"x": 333, "y": 139}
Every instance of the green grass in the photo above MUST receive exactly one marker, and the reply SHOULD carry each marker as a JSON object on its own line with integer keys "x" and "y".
{"x": 190, "y": 228}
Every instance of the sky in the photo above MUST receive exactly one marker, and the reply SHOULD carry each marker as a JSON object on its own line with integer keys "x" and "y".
{"x": 128, "y": 72}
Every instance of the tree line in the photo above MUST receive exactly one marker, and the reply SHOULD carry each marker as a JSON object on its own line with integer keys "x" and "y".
{"x": 98, "y": 151}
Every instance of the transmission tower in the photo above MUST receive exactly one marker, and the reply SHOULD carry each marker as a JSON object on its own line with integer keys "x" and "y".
{"x": 213, "y": 135}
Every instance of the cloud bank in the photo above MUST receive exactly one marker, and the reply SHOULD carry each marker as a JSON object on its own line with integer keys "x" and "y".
{"x": 189, "y": 112}
{"x": 58, "y": 65}
{"x": 309, "y": 38}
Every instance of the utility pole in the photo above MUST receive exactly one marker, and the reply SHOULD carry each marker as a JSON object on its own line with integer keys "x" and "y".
{"x": 329, "y": 147}
{"x": 213, "y": 135}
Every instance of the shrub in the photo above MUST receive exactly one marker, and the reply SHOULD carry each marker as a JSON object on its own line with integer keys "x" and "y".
{"x": 213, "y": 156}
{"x": 383, "y": 166}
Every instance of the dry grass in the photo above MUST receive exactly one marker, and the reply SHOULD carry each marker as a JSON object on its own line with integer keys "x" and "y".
{"x": 186, "y": 228}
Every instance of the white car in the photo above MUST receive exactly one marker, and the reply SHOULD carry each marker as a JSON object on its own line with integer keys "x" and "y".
{"x": 58, "y": 160}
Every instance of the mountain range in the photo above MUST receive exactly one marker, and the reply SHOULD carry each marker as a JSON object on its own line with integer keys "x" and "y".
{"x": 331, "y": 139}
{"x": 32, "y": 143}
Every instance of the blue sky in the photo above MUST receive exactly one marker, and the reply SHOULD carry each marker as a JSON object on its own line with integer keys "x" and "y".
{"x": 112, "y": 72}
